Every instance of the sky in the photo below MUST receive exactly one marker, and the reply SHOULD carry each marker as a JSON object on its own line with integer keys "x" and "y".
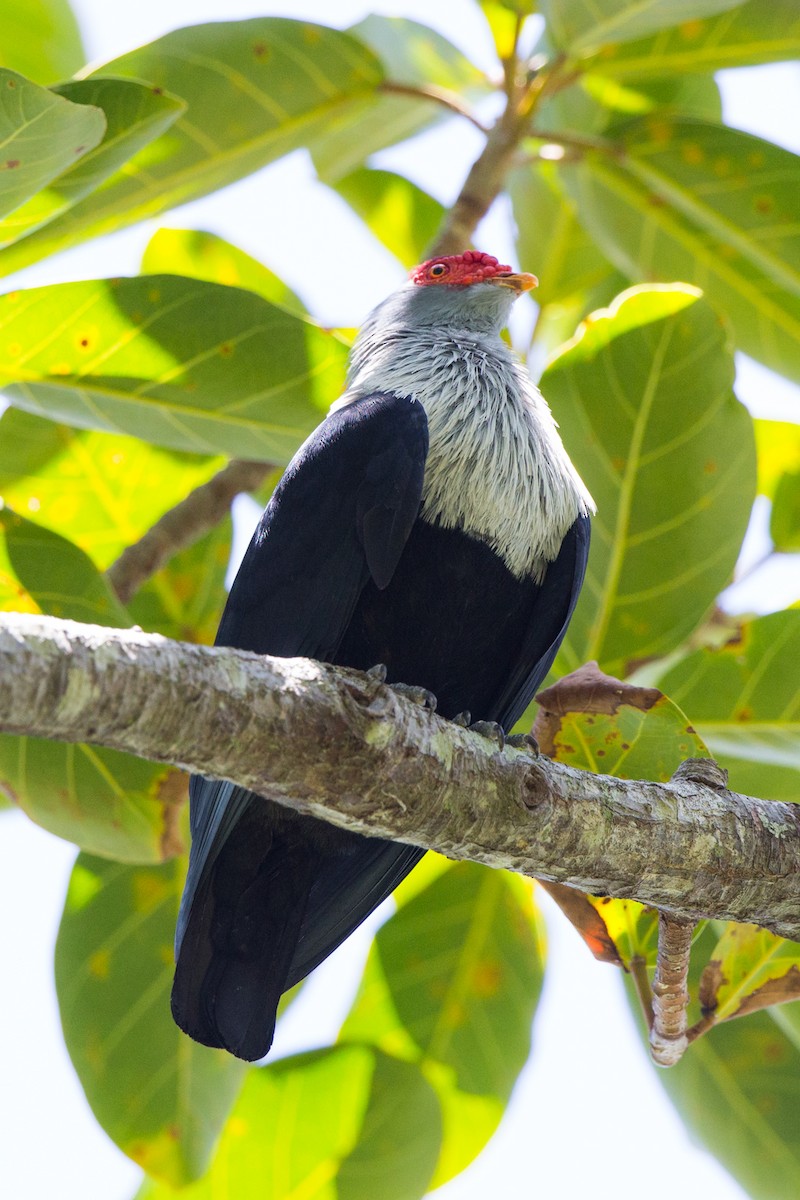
{"x": 587, "y": 1066}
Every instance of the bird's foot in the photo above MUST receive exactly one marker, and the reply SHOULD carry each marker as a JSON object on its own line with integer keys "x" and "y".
{"x": 523, "y": 741}
{"x": 490, "y": 730}
{"x": 417, "y": 695}
{"x": 378, "y": 672}
{"x": 463, "y": 718}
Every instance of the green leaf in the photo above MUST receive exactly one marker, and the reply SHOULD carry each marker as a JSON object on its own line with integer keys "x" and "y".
{"x": 778, "y": 444}
{"x": 750, "y": 968}
{"x": 749, "y": 33}
{"x": 135, "y": 115}
{"x": 101, "y": 490}
{"x": 744, "y": 700}
{"x": 738, "y": 1089}
{"x": 581, "y": 26}
{"x": 643, "y": 397}
{"x": 709, "y": 205}
{"x": 401, "y": 215}
{"x": 199, "y": 255}
{"x": 552, "y": 242}
{"x": 40, "y": 39}
{"x": 255, "y": 90}
{"x": 784, "y": 525}
{"x": 160, "y": 1096}
{"x": 106, "y": 802}
{"x": 41, "y": 135}
{"x": 345, "y": 1123}
{"x": 57, "y": 574}
{"x": 184, "y": 600}
{"x": 459, "y": 1001}
{"x": 412, "y": 56}
{"x": 182, "y": 363}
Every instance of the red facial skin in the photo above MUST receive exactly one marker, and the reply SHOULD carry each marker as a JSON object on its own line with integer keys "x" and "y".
{"x": 460, "y": 270}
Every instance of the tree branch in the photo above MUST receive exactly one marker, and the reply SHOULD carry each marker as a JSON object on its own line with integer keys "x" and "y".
{"x": 183, "y": 525}
{"x": 342, "y": 746}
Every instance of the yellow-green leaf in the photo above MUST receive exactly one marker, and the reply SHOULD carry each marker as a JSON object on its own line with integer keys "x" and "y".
{"x": 778, "y": 444}
{"x": 746, "y": 34}
{"x": 459, "y": 1000}
{"x": 680, "y": 198}
{"x": 643, "y": 395}
{"x": 784, "y": 525}
{"x": 200, "y": 255}
{"x": 135, "y": 115}
{"x": 100, "y": 490}
{"x": 346, "y": 1123}
{"x": 40, "y": 39}
{"x": 255, "y": 90}
{"x": 581, "y": 26}
{"x": 750, "y": 968}
{"x": 160, "y": 1096}
{"x": 744, "y": 700}
{"x": 179, "y": 362}
{"x": 41, "y": 135}
{"x": 185, "y": 599}
{"x": 401, "y": 215}
{"x": 57, "y": 574}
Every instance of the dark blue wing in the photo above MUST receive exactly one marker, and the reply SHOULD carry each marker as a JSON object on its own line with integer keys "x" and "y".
{"x": 553, "y": 609}
{"x": 269, "y": 894}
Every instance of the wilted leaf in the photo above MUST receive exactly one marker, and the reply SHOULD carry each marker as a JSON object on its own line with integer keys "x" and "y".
{"x": 201, "y": 255}
{"x": 643, "y": 397}
{"x": 160, "y": 1096}
{"x": 178, "y": 362}
{"x": 101, "y": 490}
{"x": 346, "y": 1123}
{"x": 135, "y": 115}
{"x": 401, "y": 215}
{"x": 40, "y": 39}
{"x": 457, "y": 998}
{"x": 580, "y": 26}
{"x": 255, "y": 90}
{"x": 749, "y": 33}
{"x": 744, "y": 700}
{"x": 715, "y": 207}
{"x": 784, "y": 525}
{"x": 41, "y": 135}
{"x": 750, "y": 968}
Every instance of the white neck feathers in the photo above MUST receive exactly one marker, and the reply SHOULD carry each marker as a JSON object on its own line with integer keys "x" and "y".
{"x": 496, "y": 466}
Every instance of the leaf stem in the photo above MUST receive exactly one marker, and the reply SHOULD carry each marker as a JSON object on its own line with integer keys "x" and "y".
{"x": 437, "y": 95}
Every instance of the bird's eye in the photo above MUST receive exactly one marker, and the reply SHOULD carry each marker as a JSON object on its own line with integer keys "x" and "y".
{"x": 438, "y": 270}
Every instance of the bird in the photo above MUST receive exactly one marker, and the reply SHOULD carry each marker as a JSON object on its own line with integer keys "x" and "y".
{"x": 434, "y": 524}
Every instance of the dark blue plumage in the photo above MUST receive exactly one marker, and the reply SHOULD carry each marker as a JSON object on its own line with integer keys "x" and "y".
{"x": 349, "y": 566}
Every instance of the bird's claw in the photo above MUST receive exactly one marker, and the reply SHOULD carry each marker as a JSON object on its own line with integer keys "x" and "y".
{"x": 378, "y": 672}
{"x": 417, "y": 695}
{"x": 462, "y": 718}
{"x": 523, "y": 741}
{"x": 490, "y": 730}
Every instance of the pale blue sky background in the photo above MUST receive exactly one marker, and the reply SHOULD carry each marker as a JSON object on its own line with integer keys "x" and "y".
{"x": 587, "y": 1069}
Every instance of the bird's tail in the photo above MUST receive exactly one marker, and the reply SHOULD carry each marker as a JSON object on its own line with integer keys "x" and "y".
{"x": 240, "y": 924}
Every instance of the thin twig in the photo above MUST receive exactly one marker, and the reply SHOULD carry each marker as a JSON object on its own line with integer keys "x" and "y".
{"x": 183, "y": 525}
{"x": 437, "y": 95}
{"x": 668, "y": 1038}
